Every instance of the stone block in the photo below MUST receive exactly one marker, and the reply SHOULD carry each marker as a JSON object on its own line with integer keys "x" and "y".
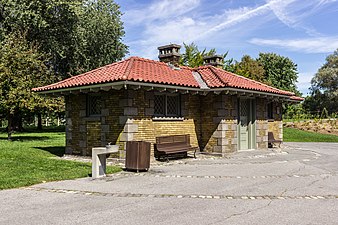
{"x": 105, "y": 112}
{"x": 103, "y": 120}
{"x": 149, "y": 95}
{"x": 234, "y": 140}
{"x": 222, "y": 141}
{"x": 184, "y": 112}
{"x": 217, "y": 105}
{"x": 123, "y": 119}
{"x": 234, "y": 127}
{"x": 125, "y": 102}
{"x": 131, "y": 94}
{"x": 130, "y": 111}
{"x": 265, "y": 138}
{"x": 217, "y": 120}
{"x": 83, "y": 113}
{"x": 69, "y": 150}
{"x": 68, "y": 135}
{"x": 127, "y": 136}
{"x": 220, "y": 149}
{"x": 259, "y": 139}
{"x": 69, "y": 122}
{"x": 149, "y": 111}
{"x": 130, "y": 128}
{"x": 225, "y": 98}
{"x": 105, "y": 128}
{"x": 221, "y": 112}
{"x": 103, "y": 139}
{"x": 82, "y": 144}
{"x": 82, "y": 129}
{"x": 219, "y": 134}
{"x": 222, "y": 126}
{"x": 234, "y": 113}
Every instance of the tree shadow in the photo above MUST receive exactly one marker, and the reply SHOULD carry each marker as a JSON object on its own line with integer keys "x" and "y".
{"x": 26, "y": 138}
{"x": 55, "y": 150}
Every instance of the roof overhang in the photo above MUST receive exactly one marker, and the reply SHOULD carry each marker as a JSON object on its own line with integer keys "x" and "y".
{"x": 118, "y": 85}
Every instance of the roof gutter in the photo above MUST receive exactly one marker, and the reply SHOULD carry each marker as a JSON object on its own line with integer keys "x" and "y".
{"x": 123, "y": 84}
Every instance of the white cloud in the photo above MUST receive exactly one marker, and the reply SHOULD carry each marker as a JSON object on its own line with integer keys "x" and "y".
{"x": 293, "y": 12}
{"x": 307, "y": 45}
{"x": 304, "y": 82}
{"x": 160, "y": 10}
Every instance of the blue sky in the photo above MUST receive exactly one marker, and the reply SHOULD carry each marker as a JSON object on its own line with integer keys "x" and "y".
{"x": 306, "y": 31}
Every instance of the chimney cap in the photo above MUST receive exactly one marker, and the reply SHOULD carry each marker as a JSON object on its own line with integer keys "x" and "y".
{"x": 169, "y": 46}
{"x": 213, "y": 57}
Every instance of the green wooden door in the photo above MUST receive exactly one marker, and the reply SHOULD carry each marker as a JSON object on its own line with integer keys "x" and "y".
{"x": 244, "y": 120}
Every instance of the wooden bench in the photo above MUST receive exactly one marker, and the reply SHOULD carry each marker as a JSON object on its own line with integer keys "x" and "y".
{"x": 272, "y": 141}
{"x": 166, "y": 146}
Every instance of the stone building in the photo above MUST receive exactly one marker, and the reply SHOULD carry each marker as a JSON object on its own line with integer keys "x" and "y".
{"x": 141, "y": 99}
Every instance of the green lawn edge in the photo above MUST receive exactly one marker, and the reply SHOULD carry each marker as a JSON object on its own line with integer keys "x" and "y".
{"x": 34, "y": 158}
{"x": 295, "y": 135}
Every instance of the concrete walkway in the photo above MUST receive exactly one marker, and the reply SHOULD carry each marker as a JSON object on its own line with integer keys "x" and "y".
{"x": 297, "y": 185}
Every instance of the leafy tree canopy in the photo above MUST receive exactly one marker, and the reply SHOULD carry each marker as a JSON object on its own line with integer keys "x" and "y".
{"x": 22, "y": 67}
{"x": 79, "y": 35}
{"x": 250, "y": 68}
{"x": 280, "y": 72}
{"x": 324, "y": 87}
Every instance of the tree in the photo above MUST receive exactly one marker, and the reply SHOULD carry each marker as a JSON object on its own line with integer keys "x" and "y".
{"x": 98, "y": 35}
{"x": 324, "y": 87}
{"x": 79, "y": 35}
{"x": 22, "y": 67}
{"x": 280, "y": 72}
{"x": 250, "y": 68}
{"x": 75, "y": 36}
{"x": 193, "y": 57}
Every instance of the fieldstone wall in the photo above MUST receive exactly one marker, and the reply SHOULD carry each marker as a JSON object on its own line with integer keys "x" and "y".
{"x": 128, "y": 115}
{"x": 261, "y": 124}
{"x": 225, "y": 120}
{"x": 276, "y": 124}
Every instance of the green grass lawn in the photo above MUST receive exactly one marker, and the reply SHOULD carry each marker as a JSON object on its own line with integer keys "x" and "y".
{"x": 32, "y": 158}
{"x": 295, "y": 135}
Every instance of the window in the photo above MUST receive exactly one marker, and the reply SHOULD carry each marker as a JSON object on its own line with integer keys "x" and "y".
{"x": 270, "y": 111}
{"x": 94, "y": 105}
{"x": 167, "y": 105}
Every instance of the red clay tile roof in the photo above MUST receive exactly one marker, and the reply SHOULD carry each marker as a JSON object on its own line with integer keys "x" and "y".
{"x": 131, "y": 69}
{"x": 217, "y": 78}
{"x": 151, "y": 71}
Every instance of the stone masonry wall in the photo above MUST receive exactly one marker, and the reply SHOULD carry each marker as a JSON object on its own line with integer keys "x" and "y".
{"x": 127, "y": 115}
{"x": 224, "y": 123}
{"x": 261, "y": 124}
{"x": 276, "y": 125}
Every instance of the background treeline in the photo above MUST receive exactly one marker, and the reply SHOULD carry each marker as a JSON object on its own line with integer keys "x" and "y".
{"x": 281, "y": 72}
{"x": 45, "y": 41}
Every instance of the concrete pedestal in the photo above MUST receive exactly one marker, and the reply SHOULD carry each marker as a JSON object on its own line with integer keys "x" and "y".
{"x": 99, "y": 156}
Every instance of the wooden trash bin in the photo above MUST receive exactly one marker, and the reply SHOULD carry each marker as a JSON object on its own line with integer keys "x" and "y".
{"x": 137, "y": 155}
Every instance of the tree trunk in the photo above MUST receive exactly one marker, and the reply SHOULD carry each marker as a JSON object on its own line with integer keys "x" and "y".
{"x": 17, "y": 122}
{"x": 9, "y": 128}
{"x": 39, "y": 121}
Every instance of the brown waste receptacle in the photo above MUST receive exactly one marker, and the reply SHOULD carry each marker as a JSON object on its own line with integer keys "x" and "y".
{"x": 138, "y": 155}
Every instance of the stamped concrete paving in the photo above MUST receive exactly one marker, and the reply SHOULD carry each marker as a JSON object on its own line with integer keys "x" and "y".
{"x": 298, "y": 185}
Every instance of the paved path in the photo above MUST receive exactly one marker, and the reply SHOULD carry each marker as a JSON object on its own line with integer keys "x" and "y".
{"x": 298, "y": 185}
